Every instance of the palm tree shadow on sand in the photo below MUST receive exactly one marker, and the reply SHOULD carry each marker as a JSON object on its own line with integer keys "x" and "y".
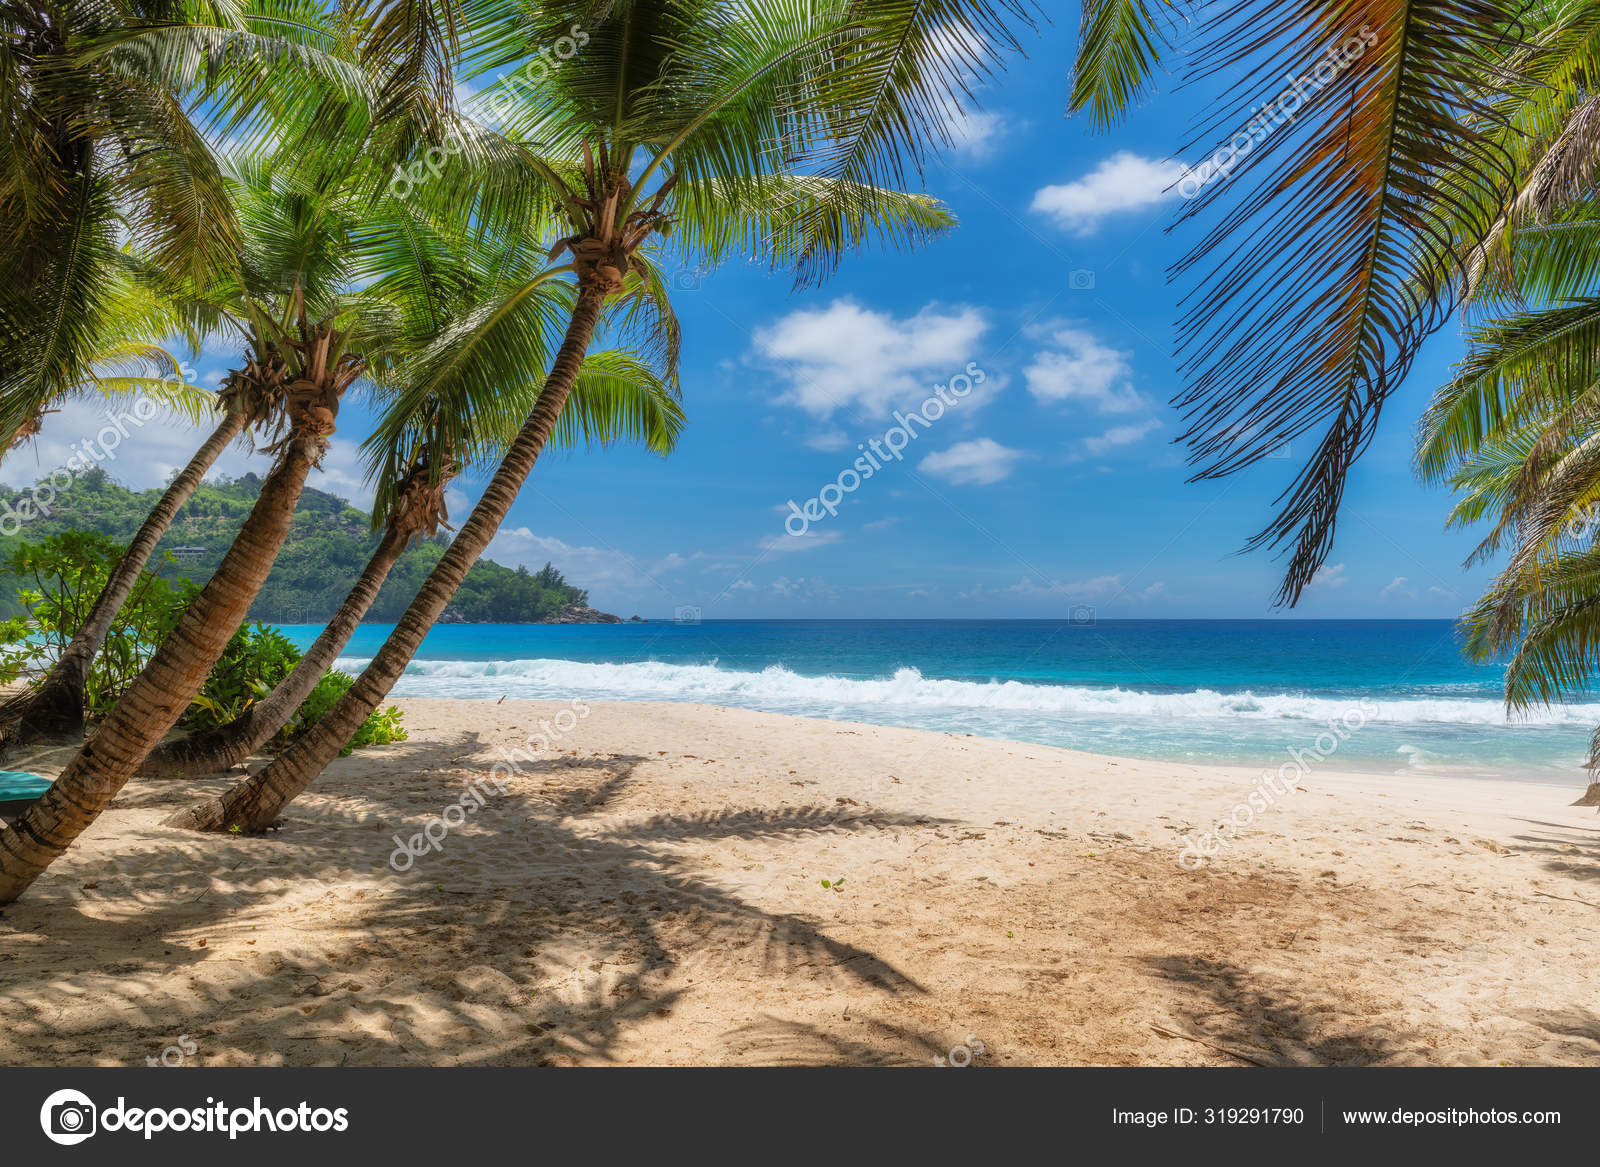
{"x": 534, "y": 935}
{"x": 1246, "y": 1015}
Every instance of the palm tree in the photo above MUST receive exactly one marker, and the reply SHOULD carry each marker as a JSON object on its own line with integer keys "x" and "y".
{"x": 121, "y": 368}
{"x": 56, "y": 704}
{"x": 95, "y": 101}
{"x": 1516, "y": 433}
{"x": 305, "y": 227}
{"x": 101, "y": 142}
{"x": 1347, "y": 220}
{"x": 616, "y": 397}
{"x": 307, "y": 368}
{"x": 694, "y": 118}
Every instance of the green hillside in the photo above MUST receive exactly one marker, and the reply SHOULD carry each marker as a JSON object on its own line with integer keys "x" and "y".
{"x": 328, "y": 545}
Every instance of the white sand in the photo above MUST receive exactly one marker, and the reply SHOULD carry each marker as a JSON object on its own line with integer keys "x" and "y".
{"x": 652, "y": 894}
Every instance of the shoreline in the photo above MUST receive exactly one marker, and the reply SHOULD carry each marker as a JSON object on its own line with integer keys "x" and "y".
{"x": 648, "y": 890}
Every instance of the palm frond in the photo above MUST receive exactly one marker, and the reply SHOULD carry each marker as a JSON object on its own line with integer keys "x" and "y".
{"x": 1120, "y": 47}
{"x": 1350, "y": 221}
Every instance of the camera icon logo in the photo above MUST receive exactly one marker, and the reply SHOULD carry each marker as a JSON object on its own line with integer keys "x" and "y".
{"x": 1081, "y": 616}
{"x": 686, "y": 614}
{"x": 68, "y": 1117}
{"x": 687, "y": 279}
{"x": 1081, "y": 280}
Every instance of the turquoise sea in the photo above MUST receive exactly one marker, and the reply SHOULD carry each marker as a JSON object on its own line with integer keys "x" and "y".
{"x": 1202, "y": 691}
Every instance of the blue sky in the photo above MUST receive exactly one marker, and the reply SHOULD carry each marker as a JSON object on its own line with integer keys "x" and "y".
{"x": 1054, "y": 483}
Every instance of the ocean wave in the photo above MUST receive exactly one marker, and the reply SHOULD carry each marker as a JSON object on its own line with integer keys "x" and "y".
{"x": 780, "y": 690}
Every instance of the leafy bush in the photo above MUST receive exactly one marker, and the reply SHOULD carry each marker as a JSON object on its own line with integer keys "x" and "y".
{"x": 256, "y": 660}
{"x": 68, "y": 572}
{"x": 381, "y": 727}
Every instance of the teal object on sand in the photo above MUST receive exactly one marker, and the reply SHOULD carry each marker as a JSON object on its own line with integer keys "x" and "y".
{"x": 19, "y": 790}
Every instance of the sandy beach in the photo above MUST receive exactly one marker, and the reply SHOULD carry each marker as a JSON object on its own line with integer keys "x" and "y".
{"x": 650, "y": 890}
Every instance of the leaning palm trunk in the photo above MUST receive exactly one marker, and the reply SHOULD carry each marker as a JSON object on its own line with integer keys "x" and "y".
{"x": 55, "y": 706}
{"x": 160, "y": 694}
{"x": 255, "y": 803}
{"x": 419, "y": 511}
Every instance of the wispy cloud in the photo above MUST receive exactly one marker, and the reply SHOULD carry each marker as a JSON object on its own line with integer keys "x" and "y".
{"x": 979, "y": 462}
{"x": 850, "y": 357}
{"x": 814, "y": 538}
{"x": 1328, "y": 576}
{"x": 1121, "y": 183}
{"x": 1120, "y": 435}
{"x": 1076, "y": 366}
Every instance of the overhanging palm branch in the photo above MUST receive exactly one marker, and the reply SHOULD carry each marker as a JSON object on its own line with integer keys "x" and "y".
{"x": 1518, "y": 368}
{"x": 1121, "y": 44}
{"x": 1322, "y": 276}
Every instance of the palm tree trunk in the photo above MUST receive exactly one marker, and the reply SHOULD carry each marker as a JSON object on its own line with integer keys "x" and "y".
{"x": 55, "y": 706}
{"x": 255, "y": 803}
{"x": 160, "y": 694}
{"x": 228, "y": 745}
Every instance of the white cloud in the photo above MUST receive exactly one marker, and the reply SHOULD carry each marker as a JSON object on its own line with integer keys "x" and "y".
{"x": 828, "y": 441}
{"x": 594, "y": 568}
{"x": 848, "y": 357}
{"x": 813, "y": 538}
{"x": 981, "y": 461}
{"x": 1099, "y": 587}
{"x": 977, "y": 134}
{"x": 1120, "y": 435}
{"x": 804, "y": 588}
{"x": 672, "y": 562}
{"x": 1079, "y": 368}
{"x": 1328, "y": 577}
{"x": 1397, "y": 586}
{"x": 147, "y": 457}
{"x": 1123, "y": 182}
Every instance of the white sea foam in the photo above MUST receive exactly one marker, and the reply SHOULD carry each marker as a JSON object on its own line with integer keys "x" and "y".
{"x": 777, "y": 688}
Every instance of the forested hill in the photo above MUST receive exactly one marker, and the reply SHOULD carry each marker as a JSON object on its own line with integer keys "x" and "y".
{"x": 328, "y": 545}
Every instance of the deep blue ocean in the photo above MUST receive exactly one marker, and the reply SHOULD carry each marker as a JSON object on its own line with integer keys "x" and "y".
{"x": 1202, "y": 691}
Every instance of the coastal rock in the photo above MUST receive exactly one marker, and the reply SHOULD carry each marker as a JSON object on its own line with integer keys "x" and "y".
{"x": 578, "y": 614}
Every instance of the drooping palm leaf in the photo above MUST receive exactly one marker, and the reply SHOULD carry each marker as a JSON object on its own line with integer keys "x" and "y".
{"x": 1332, "y": 256}
{"x": 1120, "y": 48}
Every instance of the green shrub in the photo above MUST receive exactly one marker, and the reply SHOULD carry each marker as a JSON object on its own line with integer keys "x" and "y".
{"x": 67, "y": 573}
{"x": 381, "y": 727}
{"x": 256, "y": 660}
{"x": 69, "y": 570}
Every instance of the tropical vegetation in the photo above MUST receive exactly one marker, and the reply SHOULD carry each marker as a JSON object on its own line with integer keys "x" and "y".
{"x": 328, "y": 543}
{"x": 61, "y": 576}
